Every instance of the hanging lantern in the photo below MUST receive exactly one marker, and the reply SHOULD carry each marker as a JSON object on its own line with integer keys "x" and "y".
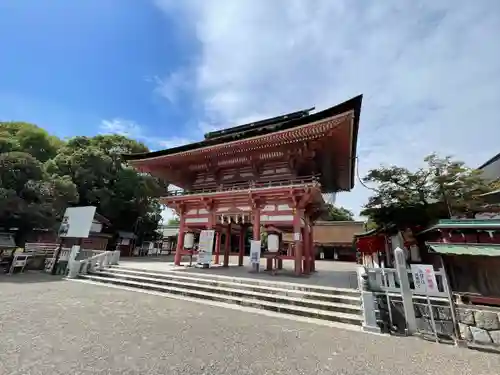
{"x": 189, "y": 240}
{"x": 273, "y": 242}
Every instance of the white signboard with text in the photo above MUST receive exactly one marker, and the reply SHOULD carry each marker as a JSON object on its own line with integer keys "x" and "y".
{"x": 424, "y": 279}
{"x": 255, "y": 252}
{"x": 77, "y": 222}
{"x": 205, "y": 246}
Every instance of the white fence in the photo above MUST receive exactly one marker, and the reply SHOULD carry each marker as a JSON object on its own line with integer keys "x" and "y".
{"x": 96, "y": 262}
{"x": 386, "y": 280}
{"x": 394, "y": 302}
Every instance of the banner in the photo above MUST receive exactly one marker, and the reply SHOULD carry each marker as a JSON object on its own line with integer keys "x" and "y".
{"x": 254, "y": 252}
{"x": 205, "y": 247}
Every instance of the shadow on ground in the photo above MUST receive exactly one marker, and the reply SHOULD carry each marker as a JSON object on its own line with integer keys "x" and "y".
{"x": 29, "y": 277}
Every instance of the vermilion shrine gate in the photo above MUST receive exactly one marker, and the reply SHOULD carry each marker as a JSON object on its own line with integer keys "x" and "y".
{"x": 268, "y": 174}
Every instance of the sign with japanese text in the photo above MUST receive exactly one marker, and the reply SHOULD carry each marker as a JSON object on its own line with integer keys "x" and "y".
{"x": 424, "y": 279}
{"x": 255, "y": 252}
{"x": 205, "y": 247}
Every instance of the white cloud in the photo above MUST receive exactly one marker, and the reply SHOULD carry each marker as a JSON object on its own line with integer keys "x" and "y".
{"x": 133, "y": 130}
{"x": 172, "y": 85}
{"x": 429, "y": 70}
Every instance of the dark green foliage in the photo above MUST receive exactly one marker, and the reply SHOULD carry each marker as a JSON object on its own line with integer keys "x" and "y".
{"x": 405, "y": 198}
{"x": 40, "y": 176}
{"x": 334, "y": 213}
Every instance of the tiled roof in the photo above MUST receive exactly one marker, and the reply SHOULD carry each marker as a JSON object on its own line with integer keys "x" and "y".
{"x": 465, "y": 249}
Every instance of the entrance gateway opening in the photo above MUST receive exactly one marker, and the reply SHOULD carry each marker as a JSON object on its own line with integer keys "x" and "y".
{"x": 269, "y": 175}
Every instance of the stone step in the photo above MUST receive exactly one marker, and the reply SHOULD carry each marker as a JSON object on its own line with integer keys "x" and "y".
{"x": 334, "y": 316}
{"x": 191, "y": 284}
{"x": 325, "y": 290}
{"x": 352, "y": 298}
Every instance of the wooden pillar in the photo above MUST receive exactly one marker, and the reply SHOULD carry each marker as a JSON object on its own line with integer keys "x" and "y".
{"x": 228, "y": 245}
{"x": 180, "y": 239}
{"x": 241, "y": 253}
{"x": 217, "y": 247}
{"x": 256, "y": 224}
{"x": 269, "y": 261}
{"x": 297, "y": 236}
{"x": 256, "y": 232}
{"x": 312, "y": 249}
{"x": 306, "y": 265}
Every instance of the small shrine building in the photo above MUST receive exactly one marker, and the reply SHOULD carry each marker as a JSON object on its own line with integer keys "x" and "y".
{"x": 269, "y": 175}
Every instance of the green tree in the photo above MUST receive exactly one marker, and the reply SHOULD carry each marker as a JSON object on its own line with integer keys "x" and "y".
{"x": 174, "y": 221}
{"x": 457, "y": 185}
{"x": 29, "y": 197}
{"x": 28, "y": 138}
{"x": 127, "y": 198}
{"x": 334, "y": 213}
{"x": 409, "y": 198}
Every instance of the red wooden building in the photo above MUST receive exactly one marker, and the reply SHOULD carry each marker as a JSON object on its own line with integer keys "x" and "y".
{"x": 269, "y": 174}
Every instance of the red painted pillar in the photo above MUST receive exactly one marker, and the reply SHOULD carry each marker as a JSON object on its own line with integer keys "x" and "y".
{"x": 311, "y": 247}
{"x": 256, "y": 224}
{"x": 217, "y": 247}
{"x": 242, "y": 245}
{"x": 228, "y": 245}
{"x": 180, "y": 240}
{"x": 256, "y": 232}
{"x": 297, "y": 236}
{"x": 307, "y": 253}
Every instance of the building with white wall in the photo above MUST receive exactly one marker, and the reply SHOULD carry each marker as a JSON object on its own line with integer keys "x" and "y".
{"x": 491, "y": 169}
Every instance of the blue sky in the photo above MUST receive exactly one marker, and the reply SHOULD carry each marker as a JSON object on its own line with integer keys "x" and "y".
{"x": 166, "y": 71}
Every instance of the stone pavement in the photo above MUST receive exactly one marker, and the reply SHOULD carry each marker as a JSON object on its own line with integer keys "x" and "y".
{"x": 333, "y": 274}
{"x": 50, "y": 326}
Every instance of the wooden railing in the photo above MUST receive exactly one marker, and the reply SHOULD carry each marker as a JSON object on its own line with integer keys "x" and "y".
{"x": 251, "y": 185}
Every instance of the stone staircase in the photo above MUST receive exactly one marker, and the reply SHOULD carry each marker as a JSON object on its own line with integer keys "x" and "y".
{"x": 312, "y": 301}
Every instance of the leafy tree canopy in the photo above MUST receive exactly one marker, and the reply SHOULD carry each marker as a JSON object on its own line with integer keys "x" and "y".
{"x": 442, "y": 188}
{"x": 124, "y": 196}
{"x": 29, "y": 197}
{"x": 28, "y": 138}
{"x": 174, "y": 221}
{"x": 41, "y": 175}
{"x": 334, "y": 213}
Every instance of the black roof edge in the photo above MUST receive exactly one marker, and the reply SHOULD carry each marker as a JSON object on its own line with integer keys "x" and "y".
{"x": 102, "y": 219}
{"x": 257, "y": 124}
{"x": 353, "y": 104}
{"x": 491, "y": 161}
{"x": 356, "y": 102}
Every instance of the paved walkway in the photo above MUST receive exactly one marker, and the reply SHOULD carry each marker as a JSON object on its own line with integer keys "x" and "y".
{"x": 52, "y": 327}
{"x": 334, "y": 274}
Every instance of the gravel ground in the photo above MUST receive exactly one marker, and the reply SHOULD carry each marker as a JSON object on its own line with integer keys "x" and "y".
{"x": 63, "y": 327}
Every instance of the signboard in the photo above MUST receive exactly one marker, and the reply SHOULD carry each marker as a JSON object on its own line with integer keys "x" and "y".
{"x": 297, "y": 236}
{"x": 424, "y": 278}
{"x": 77, "y": 222}
{"x": 254, "y": 252}
{"x": 205, "y": 246}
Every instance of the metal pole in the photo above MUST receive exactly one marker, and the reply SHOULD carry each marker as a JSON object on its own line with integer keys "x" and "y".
{"x": 446, "y": 284}
{"x": 56, "y": 257}
{"x": 431, "y": 314}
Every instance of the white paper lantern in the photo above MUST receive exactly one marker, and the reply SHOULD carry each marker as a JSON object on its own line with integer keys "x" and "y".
{"x": 189, "y": 240}
{"x": 273, "y": 243}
